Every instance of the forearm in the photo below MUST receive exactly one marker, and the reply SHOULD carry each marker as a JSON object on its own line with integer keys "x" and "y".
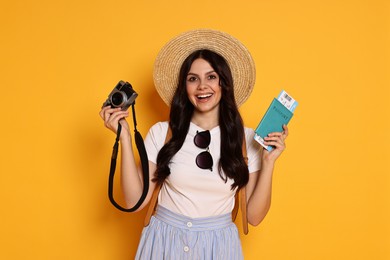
{"x": 260, "y": 200}
{"x": 131, "y": 181}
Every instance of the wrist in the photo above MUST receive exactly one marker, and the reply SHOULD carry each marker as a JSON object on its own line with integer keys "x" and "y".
{"x": 125, "y": 137}
{"x": 268, "y": 165}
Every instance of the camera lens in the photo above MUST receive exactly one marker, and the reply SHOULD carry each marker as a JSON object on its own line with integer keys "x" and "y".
{"x": 117, "y": 99}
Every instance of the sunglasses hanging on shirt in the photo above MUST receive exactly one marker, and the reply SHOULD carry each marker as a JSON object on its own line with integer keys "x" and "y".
{"x": 204, "y": 160}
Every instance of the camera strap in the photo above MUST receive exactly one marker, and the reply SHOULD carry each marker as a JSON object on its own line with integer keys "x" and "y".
{"x": 144, "y": 162}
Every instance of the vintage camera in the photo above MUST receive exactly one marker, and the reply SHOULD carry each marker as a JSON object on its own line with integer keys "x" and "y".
{"x": 123, "y": 96}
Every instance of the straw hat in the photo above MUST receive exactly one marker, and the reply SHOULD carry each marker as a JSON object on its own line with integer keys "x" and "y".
{"x": 172, "y": 55}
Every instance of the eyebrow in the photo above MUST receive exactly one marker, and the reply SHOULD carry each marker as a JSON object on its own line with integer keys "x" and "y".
{"x": 207, "y": 73}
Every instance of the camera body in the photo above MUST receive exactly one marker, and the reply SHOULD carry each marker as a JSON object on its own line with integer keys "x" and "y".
{"x": 123, "y": 96}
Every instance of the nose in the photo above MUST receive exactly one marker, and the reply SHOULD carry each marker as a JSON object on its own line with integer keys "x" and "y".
{"x": 202, "y": 85}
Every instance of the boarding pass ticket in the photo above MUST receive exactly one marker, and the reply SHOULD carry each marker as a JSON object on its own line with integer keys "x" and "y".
{"x": 287, "y": 101}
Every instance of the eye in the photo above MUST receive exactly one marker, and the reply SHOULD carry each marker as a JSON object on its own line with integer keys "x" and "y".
{"x": 191, "y": 78}
{"x": 212, "y": 76}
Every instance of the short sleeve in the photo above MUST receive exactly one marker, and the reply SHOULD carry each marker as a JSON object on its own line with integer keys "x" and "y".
{"x": 253, "y": 151}
{"x": 155, "y": 139}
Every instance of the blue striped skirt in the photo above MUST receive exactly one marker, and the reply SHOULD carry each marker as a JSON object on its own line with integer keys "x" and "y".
{"x": 173, "y": 236}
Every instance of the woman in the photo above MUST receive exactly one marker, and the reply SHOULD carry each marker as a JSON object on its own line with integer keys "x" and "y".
{"x": 204, "y": 75}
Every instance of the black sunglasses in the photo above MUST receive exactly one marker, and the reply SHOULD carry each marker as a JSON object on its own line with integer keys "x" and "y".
{"x": 204, "y": 159}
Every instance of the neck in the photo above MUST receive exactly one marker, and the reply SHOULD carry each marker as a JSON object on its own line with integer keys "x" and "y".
{"x": 206, "y": 121}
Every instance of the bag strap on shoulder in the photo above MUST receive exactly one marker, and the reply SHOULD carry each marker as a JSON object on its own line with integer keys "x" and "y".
{"x": 240, "y": 197}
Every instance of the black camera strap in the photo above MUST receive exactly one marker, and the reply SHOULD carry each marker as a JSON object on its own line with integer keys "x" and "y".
{"x": 144, "y": 162}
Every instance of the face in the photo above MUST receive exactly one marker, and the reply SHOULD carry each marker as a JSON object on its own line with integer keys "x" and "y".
{"x": 203, "y": 87}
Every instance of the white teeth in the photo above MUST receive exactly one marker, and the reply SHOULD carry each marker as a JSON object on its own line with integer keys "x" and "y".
{"x": 205, "y": 96}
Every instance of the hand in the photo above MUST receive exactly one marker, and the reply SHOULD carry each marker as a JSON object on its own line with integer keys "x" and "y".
{"x": 112, "y": 116}
{"x": 277, "y": 140}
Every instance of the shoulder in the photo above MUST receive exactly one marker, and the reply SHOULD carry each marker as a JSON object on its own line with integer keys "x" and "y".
{"x": 251, "y": 143}
{"x": 249, "y": 133}
{"x": 160, "y": 127}
{"x": 155, "y": 138}
{"x": 158, "y": 132}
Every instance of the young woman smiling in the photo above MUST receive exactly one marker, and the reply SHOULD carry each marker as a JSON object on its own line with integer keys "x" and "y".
{"x": 196, "y": 159}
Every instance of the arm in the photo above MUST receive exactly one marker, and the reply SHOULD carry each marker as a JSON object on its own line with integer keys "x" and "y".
{"x": 131, "y": 176}
{"x": 259, "y": 187}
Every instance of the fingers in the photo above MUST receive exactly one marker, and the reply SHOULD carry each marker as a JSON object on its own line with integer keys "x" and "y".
{"x": 111, "y": 116}
{"x": 283, "y": 135}
{"x": 285, "y": 132}
{"x": 277, "y": 139}
{"x": 103, "y": 112}
{"x": 112, "y": 119}
{"x": 107, "y": 112}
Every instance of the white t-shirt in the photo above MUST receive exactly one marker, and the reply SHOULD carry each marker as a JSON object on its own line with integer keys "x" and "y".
{"x": 190, "y": 190}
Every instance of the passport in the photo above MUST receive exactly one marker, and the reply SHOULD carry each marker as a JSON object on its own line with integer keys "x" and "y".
{"x": 279, "y": 113}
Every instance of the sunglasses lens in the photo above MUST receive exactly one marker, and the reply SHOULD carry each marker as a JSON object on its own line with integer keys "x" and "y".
{"x": 202, "y": 139}
{"x": 204, "y": 160}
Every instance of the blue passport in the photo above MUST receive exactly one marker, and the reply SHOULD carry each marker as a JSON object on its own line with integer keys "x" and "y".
{"x": 273, "y": 120}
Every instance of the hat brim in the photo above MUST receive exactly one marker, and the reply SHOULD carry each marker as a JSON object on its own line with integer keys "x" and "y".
{"x": 171, "y": 57}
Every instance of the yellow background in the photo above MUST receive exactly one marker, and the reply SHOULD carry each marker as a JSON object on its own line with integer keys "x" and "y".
{"x": 59, "y": 60}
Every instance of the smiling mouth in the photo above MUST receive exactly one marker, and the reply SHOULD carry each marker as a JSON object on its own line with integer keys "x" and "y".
{"x": 204, "y": 96}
